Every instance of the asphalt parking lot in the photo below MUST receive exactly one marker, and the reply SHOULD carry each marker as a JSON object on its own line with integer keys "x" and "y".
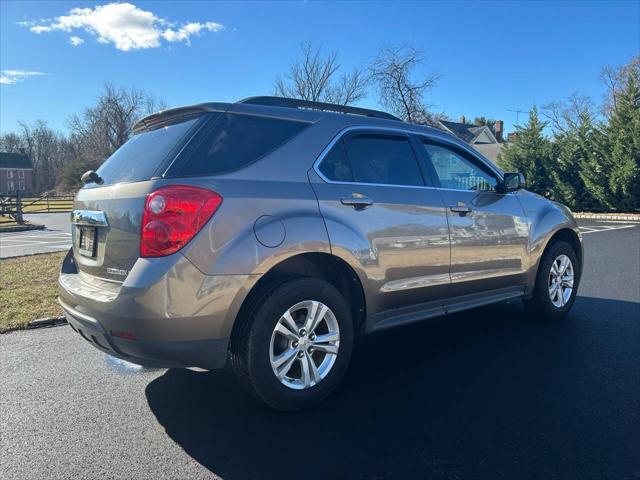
{"x": 56, "y": 236}
{"x": 490, "y": 393}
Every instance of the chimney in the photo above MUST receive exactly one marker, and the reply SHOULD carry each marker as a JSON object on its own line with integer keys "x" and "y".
{"x": 462, "y": 119}
{"x": 499, "y": 128}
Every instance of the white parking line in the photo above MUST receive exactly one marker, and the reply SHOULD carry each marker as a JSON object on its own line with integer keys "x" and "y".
{"x": 32, "y": 237}
{"x": 35, "y": 242}
{"x": 619, "y": 221}
{"x": 10, "y": 243}
{"x": 44, "y": 244}
{"x": 48, "y": 234}
{"x": 603, "y": 228}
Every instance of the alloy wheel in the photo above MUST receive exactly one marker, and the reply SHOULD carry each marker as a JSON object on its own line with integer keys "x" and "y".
{"x": 560, "y": 281}
{"x": 304, "y": 344}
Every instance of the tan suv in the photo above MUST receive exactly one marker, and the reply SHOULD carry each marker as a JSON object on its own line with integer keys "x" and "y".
{"x": 272, "y": 231}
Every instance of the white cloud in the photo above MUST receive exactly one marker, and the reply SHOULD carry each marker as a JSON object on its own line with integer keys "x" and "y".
{"x": 9, "y": 77}
{"x": 75, "y": 41}
{"x": 124, "y": 25}
{"x": 192, "y": 28}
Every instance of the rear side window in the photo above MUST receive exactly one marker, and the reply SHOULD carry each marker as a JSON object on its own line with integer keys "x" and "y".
{"x": 233, "y": 141}
{"x": 336, "y": 165}
{"x": 373, "y": 158}
{"x": 140, "y": 157}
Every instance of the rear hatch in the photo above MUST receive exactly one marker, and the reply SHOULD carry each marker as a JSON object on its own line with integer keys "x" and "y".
{"x": 107, "y": 217}
{"x": 175, "y": 144}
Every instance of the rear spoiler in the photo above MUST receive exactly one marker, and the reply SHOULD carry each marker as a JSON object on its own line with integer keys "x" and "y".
{"x": 173, "y": 114}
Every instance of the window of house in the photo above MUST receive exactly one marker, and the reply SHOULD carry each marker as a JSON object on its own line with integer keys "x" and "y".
{"x": 21, "y": 185}
{"x": 10, "y": 187}
{"x": 456, "y": 172}
{"x": 20, "y": 173}
{"x": 9, "y": 173}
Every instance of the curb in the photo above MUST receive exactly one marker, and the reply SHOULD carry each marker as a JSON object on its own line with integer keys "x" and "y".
{"x": 39, "y": 323}
{"x": 21, "y": 228}
{"x": 46, "y": 322}
{"x": 608, "y": 216}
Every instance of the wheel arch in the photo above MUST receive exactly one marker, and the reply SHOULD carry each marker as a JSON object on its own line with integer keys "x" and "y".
{"x": 564, "y": 234}
{"x": 324, "y": 266}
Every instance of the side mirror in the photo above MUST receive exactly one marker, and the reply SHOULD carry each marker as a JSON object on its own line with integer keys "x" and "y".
{"x": 512, "y": 182}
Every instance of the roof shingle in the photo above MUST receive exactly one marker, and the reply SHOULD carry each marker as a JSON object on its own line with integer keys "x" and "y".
{"x": 14, "y": 160}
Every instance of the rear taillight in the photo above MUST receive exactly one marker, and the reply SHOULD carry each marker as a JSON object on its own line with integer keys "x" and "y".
{"x": 172, "y": 216}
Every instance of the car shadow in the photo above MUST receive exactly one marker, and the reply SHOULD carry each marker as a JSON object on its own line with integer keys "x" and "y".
{"x": 489, "y": 393}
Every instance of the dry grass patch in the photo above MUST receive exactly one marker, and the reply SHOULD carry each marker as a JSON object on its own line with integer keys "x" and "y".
{"x": 28, "y": 289}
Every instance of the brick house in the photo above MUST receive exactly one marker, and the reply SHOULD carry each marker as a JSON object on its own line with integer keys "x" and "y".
{"x": 16, "y": 173}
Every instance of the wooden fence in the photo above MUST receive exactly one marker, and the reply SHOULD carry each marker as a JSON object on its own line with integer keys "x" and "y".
{"x": 12, "y": 207}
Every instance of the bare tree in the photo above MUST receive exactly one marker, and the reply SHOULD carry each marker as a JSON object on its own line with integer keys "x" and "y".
{"x": 566, "y": 115}
{"x": 614, "y": 79}
{"x": 393, "y": 72}
{"x": 102, "y": 129}
{"x": 11, "y": 142}
{"x": 43, "y": 146}
{"x": 316, "y": 77}
{"x": 59, "y": 160}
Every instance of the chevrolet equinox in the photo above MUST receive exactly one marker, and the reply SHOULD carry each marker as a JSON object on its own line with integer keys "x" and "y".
{"x": 272, "y": 231}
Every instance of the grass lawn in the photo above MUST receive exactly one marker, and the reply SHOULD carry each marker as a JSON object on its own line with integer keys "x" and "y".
{"x": 28, "y": 289}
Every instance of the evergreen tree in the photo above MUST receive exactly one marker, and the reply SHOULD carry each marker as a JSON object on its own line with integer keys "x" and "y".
{"x": 595, "y": 169}
{"x": 571, "y": 150}
{"x": 529, "y": 154}
{"x": 624, "y": 145}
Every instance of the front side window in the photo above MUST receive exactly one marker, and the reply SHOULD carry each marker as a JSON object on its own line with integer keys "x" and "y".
{"x": 373, "y": 158}
{"x": 456, "y": 172}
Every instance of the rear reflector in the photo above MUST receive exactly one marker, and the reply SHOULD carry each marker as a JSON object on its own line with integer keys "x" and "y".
{"x": 125, "y": 335}
{"x": 172, "y": 217}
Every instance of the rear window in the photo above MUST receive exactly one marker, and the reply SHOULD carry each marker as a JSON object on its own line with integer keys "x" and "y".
{"x": 142, "y": 154}
{"x": 373, "y": 158}
{"x": 233, "y": 141}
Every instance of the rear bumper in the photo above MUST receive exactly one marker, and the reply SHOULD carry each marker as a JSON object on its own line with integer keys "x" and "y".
{"x": 170, "y": 314}
{"x": 209, "y": 354}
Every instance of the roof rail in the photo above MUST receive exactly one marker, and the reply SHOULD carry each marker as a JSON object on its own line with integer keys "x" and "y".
{"x": 309, "y": 105}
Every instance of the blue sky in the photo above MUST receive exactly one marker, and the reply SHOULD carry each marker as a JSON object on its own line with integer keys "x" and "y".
{"x": 492, "y": 56}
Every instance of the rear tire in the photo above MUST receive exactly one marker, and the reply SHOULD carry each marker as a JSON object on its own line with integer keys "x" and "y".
{"x": 556, "y": 282}
{"x": 281, "y": 363}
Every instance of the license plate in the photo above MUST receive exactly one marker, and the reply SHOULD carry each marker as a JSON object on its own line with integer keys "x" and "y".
{"x": 87, "y": 241}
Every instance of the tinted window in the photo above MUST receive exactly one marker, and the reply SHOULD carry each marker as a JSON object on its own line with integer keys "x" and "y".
{"x": 336, "y": 166}
{"x": 455, "y": 171}
{"x": 142, "y": 154}
{"x": 373, "y": 158}
{"x": 233, "y": 141}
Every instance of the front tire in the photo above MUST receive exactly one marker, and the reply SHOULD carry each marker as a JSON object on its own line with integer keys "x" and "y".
{"x": 556, "y": 282}
{"x": 292, "y": 348}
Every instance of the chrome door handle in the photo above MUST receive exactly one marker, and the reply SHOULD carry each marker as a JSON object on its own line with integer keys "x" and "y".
{"x": 357, "y": 201}
{"x": 460, "y": 210}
